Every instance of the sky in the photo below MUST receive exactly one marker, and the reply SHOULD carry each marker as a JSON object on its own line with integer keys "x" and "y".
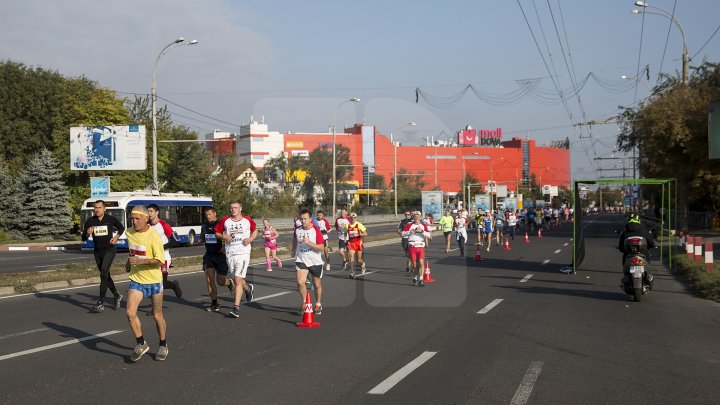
{"x": 294, "y": 63}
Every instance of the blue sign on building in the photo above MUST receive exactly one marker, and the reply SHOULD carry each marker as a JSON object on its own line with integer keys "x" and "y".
{"x": 99, "y": 187}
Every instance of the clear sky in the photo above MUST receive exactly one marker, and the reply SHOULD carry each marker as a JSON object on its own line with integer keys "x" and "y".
{"x": 294, "y": 62}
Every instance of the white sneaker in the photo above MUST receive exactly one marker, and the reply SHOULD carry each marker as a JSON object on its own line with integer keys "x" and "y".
{"x": 362, "y": 267}
{"x": 327, "y": 267}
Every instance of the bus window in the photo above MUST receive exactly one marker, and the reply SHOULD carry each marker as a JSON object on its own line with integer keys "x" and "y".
{"x": 190, "y": 216}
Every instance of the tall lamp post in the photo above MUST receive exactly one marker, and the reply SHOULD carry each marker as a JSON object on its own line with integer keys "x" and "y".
{"x": 334, "y": 165}
{"x": 172, "y": 45}
{"x": 412, "y": 124}
{"x": 664, "y": 13}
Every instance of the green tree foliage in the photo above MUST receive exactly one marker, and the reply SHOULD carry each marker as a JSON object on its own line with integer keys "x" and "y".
{"x": 11, "y": 203}
{"x": 670, "y": 131}
{"x": 409, "y": 190}
{"x": 46, "y": 213}
{"x": 188, "y": 166}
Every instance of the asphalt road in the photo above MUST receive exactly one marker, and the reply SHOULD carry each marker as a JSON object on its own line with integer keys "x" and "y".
{"x": 27, "y": 261}
{"x": 552, "y": 339}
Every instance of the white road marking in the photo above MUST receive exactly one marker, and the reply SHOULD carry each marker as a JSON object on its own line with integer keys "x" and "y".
{"x": 366, "y": 273}
{"x": 565, "y": 244}
{"x": 546, "y": 261}
{"x": 526, "y": 278}
{"x": 254, "y": 299}
{"x": 56, "y": 345}
{"x": 557, "y": 251}
{"x": 490, "y": 306}
{"x": 528, "y": 383}
{"x": 27, "y": 332}
{"x": 391, "y": 381}
{"x": 11, "y": 248}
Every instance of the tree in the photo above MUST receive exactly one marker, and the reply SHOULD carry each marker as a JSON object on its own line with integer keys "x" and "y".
{"x": 46, "y": 212}
{"x": 188, "y": 165}
{"x": 11, "y": 202}
{"x": 409, "y": 193}
{"x": 669, "y": 130}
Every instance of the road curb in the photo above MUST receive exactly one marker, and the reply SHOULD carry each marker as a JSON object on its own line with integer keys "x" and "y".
{"x": 26, "y": 248}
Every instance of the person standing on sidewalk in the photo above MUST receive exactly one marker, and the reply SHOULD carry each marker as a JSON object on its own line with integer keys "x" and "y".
{"x": 310, "y": 245}
{"x": 166, "y": 236}
{"x": 238, "y": 231}
{"x": 105, "y": 231}
{"x": 214, "y": 261}
{"x": 144, "y": 264}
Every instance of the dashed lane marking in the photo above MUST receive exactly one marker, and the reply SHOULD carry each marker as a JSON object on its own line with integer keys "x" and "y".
{"x": 546, "y": 261}
{"x": 526, "y": 278}
{"x": 56, "y": 345}
{"x": 528, "y": 383}
{"x": 27, "y": 332}
{"x": 490, "y": 306}
{"x": 391, "y": 381}
{"x": 557, "y": 251}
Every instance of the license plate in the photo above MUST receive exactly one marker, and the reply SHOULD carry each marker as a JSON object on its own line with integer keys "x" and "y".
{"x": 637, "y": 269}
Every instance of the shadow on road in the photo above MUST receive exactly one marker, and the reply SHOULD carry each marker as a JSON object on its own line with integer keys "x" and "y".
{"x": 598, "y": 295}
{"x": 92, "y": 344}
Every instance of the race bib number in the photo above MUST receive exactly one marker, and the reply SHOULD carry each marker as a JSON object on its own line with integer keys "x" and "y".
{"x": 353, "y": 234}
{"x": 100, "y": 230}
{"x": 210, "y": 238}
{"x": 138, "y": 250}
{"x": 418, "y": 244}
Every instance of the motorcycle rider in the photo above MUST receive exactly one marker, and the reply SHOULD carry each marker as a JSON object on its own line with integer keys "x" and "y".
{"x": 633, "y": 227}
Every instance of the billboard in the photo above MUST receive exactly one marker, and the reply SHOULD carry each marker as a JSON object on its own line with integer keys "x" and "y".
{"x": 511, "y": 203}
{"x": 432, "y": 203}
{"x": 99, "y": 187}
{"x": 108, "y": 148}
{"x": 482, "y": 202}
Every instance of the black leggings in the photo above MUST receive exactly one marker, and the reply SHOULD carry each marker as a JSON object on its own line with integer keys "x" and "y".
{"x": 461, "y": 244}
{"x": 104, "y": 259}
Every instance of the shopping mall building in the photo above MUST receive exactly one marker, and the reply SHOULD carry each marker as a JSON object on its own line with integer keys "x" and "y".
{"x": 482, "y": 153}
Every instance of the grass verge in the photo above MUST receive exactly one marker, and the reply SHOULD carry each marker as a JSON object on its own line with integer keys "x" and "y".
{"x": 25, "y": 282}
{"x": 706, "y": 284}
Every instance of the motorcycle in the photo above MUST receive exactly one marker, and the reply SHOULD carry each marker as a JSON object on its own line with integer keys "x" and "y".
{"x": 636, "y": 282}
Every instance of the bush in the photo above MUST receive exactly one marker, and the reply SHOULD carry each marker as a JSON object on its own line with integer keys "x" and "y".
{"x": 706, "y": 284}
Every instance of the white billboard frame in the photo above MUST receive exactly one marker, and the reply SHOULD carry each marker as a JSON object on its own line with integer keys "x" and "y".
{"x": 118, "y": 147}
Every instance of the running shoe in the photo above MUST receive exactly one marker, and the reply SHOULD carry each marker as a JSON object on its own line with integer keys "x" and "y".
{"x": 177, "y": 289}
{"x": 161, "y": 353}
{"x": 327, "y": 267}
{"x": 421, "y": 283}
{"x": 268, "y": 269}
{"x": 99, "y": 306}
{"x": 235, "y": 313}
{"x": 213, "y": 308}
{"x": 362, "y": 267}
{"x": 318, "y": 309}
{"x": 415, "y": 281}
{"x": 118, "y": 300}
{"x": 488, "y": 248}
{"x": 231, "y": 286}
{"x": 279, "y": 263}
{"x": 138, "y": 351}
{"x": 249, "y": 293}
{"x": 352, "y": 274}
{"x": 345, "y": 265}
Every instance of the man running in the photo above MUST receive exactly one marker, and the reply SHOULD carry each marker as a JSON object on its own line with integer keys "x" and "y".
{"x": 511, "y": 223}
{"x": 324, "y": 227}
{"x": 166, "y": 235}
{"x": 480, "y": 227}
{"x": 461, "y": 224}
{"x": 446, "y": 225}
{"x": 146, "y": 281}
{"x": 238, "y": 231}
{"x": 105, "y": 231}
{"x": 404, "y": 239}
{"x": 214, "y": 260}
{"x": 417, "y": 233}
{"x": 488, "y": 224}
{"x": 499, "y": 225}
{"x": 356, "y": 231}
{"x": 309, "y": 259}
{"x": 341, "y": 228}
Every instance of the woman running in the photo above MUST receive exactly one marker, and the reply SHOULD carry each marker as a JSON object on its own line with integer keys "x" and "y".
{"x": 270, "y": 235}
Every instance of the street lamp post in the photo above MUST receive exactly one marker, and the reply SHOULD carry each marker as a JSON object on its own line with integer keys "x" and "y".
{"x": 153, "y": 99}
{"x": 664, "y": 13}
{"x": 334, "y": 165}
{"x": 412, "y": 124}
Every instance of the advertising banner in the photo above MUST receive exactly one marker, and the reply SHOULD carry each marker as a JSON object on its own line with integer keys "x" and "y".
{"x": 482, "y": 202}
{"x": 432, "y": 203}
{"x": 108, "y": 148}
{"x": 529, "y": 203}
{"x": 511, "y": 203}
{"x": 99, "y": 187}
{"x": 501, "y": 191}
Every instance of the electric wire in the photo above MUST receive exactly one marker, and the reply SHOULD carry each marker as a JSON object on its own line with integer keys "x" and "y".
{"x": 706, "y": 42}
{"x": 667, "y": 39}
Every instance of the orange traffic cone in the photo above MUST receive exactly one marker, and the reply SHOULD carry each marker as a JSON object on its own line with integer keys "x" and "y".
{"x": 427, "y": 278}
{"x": 539, "y": 233}
{"x": 507, "y": 244}
{"x": 308, "y": 320}
{"x": 527, "y": 240}
{"x": 477, "y": 253}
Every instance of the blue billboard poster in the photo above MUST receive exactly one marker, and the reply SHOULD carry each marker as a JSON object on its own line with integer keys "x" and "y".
{"x": 511, "y": 203}
{"x": 99, "y": 187}
{"x": 482, "y": 202}
{"x": 528, "y": 203}
{"x": 108, "y": 148}
{"x": 432, "y": 203}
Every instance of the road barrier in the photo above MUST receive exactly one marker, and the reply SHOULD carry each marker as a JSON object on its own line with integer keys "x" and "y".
{"x": 698, "y": 249}
{"x": 709, "y": 261}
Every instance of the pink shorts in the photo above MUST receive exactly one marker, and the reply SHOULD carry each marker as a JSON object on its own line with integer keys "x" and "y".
{"x": 271, "y": 244}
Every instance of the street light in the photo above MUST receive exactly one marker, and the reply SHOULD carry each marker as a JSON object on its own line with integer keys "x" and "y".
{"x": 664, "y": 13}
{"x": 412, "y": 124}
{"x": 172, "y": 45}
{"x": 334, "y": 165}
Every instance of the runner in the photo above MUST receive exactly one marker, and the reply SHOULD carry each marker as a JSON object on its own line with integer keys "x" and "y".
{"x": 404, "y": 239}
{"x": 499, "y": 225}
{"x": 105, "y": 231}
{"x": 547, "y": 215}
{"x": 309, "y": 259}
{"x": 166, "y": 235}
{"x": 144, "y": 263}
{"x": 340, "y": 227}
{"x": 214, "y": 260}
{"x": 238, "y": 231}
{"x": 511, "y": 223}
{"x": 488, "y": 224}
{"x": 480, "y": 227}
{"x": 461, "y": 224}
{"x": 446, "y": 224}
{"x": 530, "y": 220}
{"x": 270, "y": 234}
{"x": 356, "y": 231}
{"x": 417, "y": 233}
{"x": 324, "y": 227}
